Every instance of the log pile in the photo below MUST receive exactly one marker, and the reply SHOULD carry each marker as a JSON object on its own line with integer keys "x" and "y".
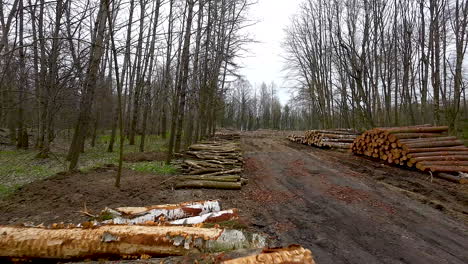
{"x": 215, "y": 164}
{"x": 135, "y": 232}
{"x": 427, "y": 148}
{"x": 336, "y": 138}
{"x": 188, "y": 213}
{"x": 296, "y": 139}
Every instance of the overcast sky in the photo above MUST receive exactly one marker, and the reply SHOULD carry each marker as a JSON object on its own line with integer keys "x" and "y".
{"x": 264, "y": 62}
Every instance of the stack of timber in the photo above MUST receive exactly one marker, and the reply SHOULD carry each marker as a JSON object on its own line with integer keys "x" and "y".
{"x": 427, "y": 148}
{"x": 188, "y": 213}
{"x": 296, "y": 139}
{"x": 215, "y": 163}
{"x": 336, "y": 138}
{"x": 136, "y": 232}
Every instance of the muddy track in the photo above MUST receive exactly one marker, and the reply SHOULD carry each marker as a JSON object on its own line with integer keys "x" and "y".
{"x": 348, "y": 209}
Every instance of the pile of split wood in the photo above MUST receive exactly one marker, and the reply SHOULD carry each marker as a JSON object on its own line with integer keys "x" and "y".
{"x": 428, "y": 148}
{"x": 144, "y": 232}
{"x": 215, "y": 163}
{"x": 336, "y": 138}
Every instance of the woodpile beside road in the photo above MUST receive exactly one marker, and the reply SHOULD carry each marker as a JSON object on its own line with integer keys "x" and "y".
{"x": 336, "y": 138}
{"x": 216, "y": 164}
{"x": 427, "y": 148}
{"x": 136, "y": 234}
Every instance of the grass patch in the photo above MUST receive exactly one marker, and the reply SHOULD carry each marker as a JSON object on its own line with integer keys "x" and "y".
{"x": 19, "y": 167}
{"x": 6, "y": 190}
{"x": 157, "y": 167}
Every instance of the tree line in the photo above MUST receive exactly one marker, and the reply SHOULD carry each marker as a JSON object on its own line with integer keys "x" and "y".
{"x": 375, "y": 63}
{"x": 131, "y": 68}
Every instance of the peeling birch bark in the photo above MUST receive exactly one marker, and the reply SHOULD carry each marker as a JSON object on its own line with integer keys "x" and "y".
{"x": 207, "y": 218}
{"x": 139, "y": 215}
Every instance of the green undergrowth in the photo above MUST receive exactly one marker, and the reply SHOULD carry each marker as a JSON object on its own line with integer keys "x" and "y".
{"x": 19, "y": 167}
{"x": 157, "y": 167}
{"x": 464, "y": 130}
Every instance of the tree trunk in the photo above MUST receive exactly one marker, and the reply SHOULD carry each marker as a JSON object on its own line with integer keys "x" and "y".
{"x": 97, "y": 50}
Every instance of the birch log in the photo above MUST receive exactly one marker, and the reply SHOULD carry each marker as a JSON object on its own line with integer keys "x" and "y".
{"x": 120, "y": 240}
{"x": 139, "y": 215}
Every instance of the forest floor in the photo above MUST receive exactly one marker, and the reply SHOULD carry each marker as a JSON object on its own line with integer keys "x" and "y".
{"x": 20, "y": 167}
{"x": 346, "y": 209}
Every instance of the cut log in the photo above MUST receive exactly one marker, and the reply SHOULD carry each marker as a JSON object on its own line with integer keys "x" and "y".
{"x": 208, "y": 218}
{"x": 440, "y": 168}
{"x": 292, "y": 254}
{"x": 453, "y": 178}
{"x": 118, "y": 240}
{"x": 440, "y": 158}
{"x": 224, "y": 178}
{"x": 209, "y": 185}
{"x": 433, "y": 144}
{"x": 443, "y": 162}
{"x": 414, "y": 135}
{"x": 432, "y": 129}
{"x": 224, "y": 172}
{"x": 203, "y": 171}
{"x": 420, "y": 150}
{"x": 421, "y": 140}
{"x": 139, "y": 215}
{"x": 342, "y": 140}
{"x": 438, "y": 153}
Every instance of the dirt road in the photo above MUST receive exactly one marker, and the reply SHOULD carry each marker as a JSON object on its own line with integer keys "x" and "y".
{"x": 347, "y": 209}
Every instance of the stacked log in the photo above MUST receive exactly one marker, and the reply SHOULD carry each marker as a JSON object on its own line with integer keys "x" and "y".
{"x": 336, "y": 138}
{"x": 215, "y": 164}
{"x": 427, "y": 148}
{"x": 296, "y": 139}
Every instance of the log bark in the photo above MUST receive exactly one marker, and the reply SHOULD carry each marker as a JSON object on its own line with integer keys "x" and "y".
{"x": 453, "y": 178}
{"x": 139, "y": 215}
{"x": 414, "y": 135}
{"x": 209, "y": 185}
{"x": 437, "y": 153}
{"x": 433, "y": 144}
{"x": 434, "y": 129}
{"x": 228, "y": 178}
{"x": 437, "y": 149}
{"x": 208, "y": 218}
{"x": 441, "y": 158}
{"x": 434, "y": 139}
{"x": 292, "y": 254}
{"x": 118, "y": 240}
{"x": 441, "y": 168}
